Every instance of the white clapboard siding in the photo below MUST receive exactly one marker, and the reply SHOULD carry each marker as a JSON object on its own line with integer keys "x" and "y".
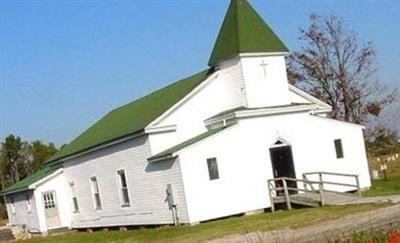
{"x": 147, "y": 184}
{"x": 243, "y": 159}
{"x": 223, "y": 91}
{"x": 22, "y": 216}
{"x": 265, "y": 85}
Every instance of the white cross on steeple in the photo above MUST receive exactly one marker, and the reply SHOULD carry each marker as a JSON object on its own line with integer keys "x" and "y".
{"x": 264, "y": 65}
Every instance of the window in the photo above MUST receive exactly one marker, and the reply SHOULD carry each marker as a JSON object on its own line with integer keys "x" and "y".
{"x": 12, "y": 205}
{"x": 74, "y": 199}
{"x": 49, "y": 200}
{"x": 212, "y": 168}
{"x": 96, "y": 193}
{"x": 123, "y": 188}
{"x": 28, "y": 203}
{"x": 339, "y": 148}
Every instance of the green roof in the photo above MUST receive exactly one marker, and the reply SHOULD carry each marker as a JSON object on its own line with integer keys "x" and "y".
{"x": 244, "y": 31}
{"x": 24, "y": 184}
{"x": 133, "y": 117}
{"x": 185, "y": 144}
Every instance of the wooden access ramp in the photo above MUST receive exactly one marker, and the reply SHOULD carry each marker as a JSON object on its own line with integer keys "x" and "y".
{"x": 315, "y": 193}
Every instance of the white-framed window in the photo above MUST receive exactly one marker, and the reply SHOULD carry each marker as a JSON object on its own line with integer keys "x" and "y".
{"x": 338, "y": 148}
{"x": 74, "y": 198}
{"x": 12, "y": 205}
{"x": 49, "y": 200}
{"x": 96, "y": 193}
{"x": 28, "y": 202}
{"x": 123, "y": 186}
{"x": 212, "y": 168}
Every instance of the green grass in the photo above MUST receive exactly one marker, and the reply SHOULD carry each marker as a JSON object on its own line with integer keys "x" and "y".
{"x": 216, "y": 229}
{"x": 381, "y": 187}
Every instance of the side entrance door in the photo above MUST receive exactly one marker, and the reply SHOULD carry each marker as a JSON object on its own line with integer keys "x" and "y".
{"x": 51, "y": 209}
{"x": 282, "y": 165}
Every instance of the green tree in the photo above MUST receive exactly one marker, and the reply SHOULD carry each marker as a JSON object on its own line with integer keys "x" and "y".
{"x": 38, "y": 154}
{"x": 384, "y": 141}
{"x": 19, "y": 159}
{"x": 13, "y": 158}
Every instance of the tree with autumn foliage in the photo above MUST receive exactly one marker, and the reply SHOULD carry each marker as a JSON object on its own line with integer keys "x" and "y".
{"x": 334, "y": 66}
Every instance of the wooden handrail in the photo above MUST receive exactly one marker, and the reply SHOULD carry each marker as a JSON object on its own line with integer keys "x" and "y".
{"x": 330, "y": 173}
{"x": 320, "y": 173}
{"x": 339, "y": 184}
{"x": 273, "y": 189}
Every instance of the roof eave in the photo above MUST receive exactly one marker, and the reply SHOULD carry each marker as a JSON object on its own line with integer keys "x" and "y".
{"x": 35, "y": 184}
{"x": 15, "y": 191}
{"x": 96, "y": 147}
{"x": 239, "y": 114}
{"x": 217, "y": 62}
{"x": 162, "y": 158}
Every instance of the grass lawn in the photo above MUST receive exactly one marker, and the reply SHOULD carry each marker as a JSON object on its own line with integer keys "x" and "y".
{"x": 382, "y": 187}
{"x": 217, "y": 229}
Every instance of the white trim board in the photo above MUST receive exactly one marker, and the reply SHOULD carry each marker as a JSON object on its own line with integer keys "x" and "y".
{"x": 309, "y": 97}
{"x": 196, "y": 90}
{"x": 46, "y": 178}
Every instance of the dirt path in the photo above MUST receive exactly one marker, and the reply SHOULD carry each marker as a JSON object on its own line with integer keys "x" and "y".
{"x": 380, "y": 218}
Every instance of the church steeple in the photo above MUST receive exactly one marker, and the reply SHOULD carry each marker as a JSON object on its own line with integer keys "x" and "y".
{"x": 244, "y": 31}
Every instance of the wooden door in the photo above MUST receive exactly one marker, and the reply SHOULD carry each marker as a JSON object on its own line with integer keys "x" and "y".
{"x": 51, "y": 209}
{"x": 282, "y": 165}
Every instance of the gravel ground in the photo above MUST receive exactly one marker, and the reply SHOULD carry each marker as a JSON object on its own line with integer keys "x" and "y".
{"x": 381, "y": 218}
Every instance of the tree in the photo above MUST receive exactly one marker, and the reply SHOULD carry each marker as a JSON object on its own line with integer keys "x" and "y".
{"x": 38, "y": 154}
{"x": 383, "y": 141}
{"x": 334, "y": 66}
{"x": 13, "y": 157}
{"x": 19, "y": 159}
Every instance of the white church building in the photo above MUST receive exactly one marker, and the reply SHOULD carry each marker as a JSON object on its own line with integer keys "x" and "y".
{"x": 199, "y": 149}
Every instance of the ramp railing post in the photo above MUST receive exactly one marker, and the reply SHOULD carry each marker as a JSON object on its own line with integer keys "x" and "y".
{"x": 321, "y": 189}
{"x": 287, "y": 197}
{"x": 271, "y": 199}
{"x": 358, "y": 185}
{"x": 305, "y": 183}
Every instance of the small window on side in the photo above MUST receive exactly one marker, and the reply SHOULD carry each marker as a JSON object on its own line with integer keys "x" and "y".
{"x": 28, "y": 202}
{"x": 74, "y": 198}
{"x": 339, "y": 148}
{"x": 96, "y": 193}
{"x": 12, "y": 205}
{"x": 123, "y": 188}
{"x": 212, "y": 168}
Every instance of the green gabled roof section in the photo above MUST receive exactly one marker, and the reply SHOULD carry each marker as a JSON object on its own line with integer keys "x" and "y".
{"x": 24, "y": 184}
{"x": 244, "y": 31}
{"x": 167, "y": 153}
{"x": 133, "y": 117}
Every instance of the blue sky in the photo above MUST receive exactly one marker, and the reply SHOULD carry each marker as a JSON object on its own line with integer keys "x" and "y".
{"x": 64, "y": 64}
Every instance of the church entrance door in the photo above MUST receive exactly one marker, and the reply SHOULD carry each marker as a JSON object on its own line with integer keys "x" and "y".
{"x": 282, "y": 165}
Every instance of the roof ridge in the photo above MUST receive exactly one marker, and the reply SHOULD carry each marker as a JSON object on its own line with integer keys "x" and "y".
{"x": 237, "y": 25}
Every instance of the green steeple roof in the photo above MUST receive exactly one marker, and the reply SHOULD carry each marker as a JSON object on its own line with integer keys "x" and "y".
{"x": 244, "y": 31}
